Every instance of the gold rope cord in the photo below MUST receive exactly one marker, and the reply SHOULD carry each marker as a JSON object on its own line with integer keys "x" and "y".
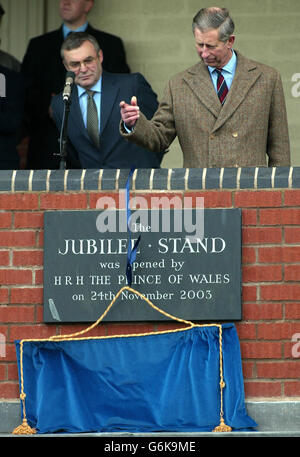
{"x": 24, "y": 428}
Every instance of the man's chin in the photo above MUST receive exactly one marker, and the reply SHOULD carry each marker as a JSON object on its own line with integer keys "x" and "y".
{"x": 209, "y": 63}
{"x": 85, "y": 82}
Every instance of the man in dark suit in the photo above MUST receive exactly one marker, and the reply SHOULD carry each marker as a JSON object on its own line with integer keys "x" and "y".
{"x": 11, "y": 113}
{"x": 93, "y": 130}
{"x": 45, "y": 76}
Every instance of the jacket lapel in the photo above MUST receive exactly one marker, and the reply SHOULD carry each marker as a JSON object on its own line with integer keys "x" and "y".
{"x": 108, "y": 96}
{"x": 245, "y": 77}
{"x": 199, "y": 80}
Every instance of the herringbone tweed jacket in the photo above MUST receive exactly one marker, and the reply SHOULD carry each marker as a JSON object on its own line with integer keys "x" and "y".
{"x": 249, "y": 130}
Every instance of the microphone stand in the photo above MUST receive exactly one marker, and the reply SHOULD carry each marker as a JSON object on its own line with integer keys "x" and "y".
{"x": 63, "y": 134}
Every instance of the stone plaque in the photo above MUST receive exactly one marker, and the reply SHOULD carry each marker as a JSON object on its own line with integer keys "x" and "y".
{"x": 194, "y": 278}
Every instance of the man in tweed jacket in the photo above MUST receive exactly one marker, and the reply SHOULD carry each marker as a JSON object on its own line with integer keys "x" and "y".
{"x": 249, "y": 129}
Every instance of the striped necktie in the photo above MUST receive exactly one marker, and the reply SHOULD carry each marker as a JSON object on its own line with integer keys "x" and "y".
{"x": 222, "y": 88}
{"x": 92, "y": 118}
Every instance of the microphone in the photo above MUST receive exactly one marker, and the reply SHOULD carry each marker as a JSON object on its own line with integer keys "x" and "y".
{"x": 70, "y": 76}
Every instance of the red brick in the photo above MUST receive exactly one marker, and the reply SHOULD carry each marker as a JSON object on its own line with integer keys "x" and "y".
{"x": 4, "y": 258}
{"x": 12, "y": 372}
{"x": 15, "y": 276}
{"x": 260, "y": 235}
{"x": 279, "y": 254}
{"x": 127, "y": 329}
{"x": 249, "y": 293}
{"x": 63, "y": 201}
{"x": 16, "y": 314}
{"x": 292, "y": 347}
{"x": 212, "y": 199}
{"x": 26, "y": 295}
{"x": 10, "y": 355}
{"x": 28, "y": 258}
{"x": 9, "y": 390}
{"x": 249, "y": 217}
{"x": 4, "y": 294}
{"x": 103, "y": 200}
{"x": 258, "y": 198}
{"x": 292, "y": 197}
{"x": 39, "y": 331}
{"x": 246, "y": 331}
{"x": 253, "y": 311}
{"x": 261, "y": 350}
{"x": 38, "y": 277}
{"x": 248, "y": 255}
{"x": 258, "y": 273}
{"x": 291, "y": 254}
{"x": 40, "y": 239}
{"x": 29, "y": 220}
{"x": 279, "y": 370}
{"x": 5, "y": 220}
{"x": 69, "y": 329}
{"x": 248, "y": 369}
{"x": 18, "y": 238}
{"x": 277, "y": 331}
{"x": 262, "y": 389}
{"x": 280, "y": 292}
{"x": 292, "y": 272}
{"x": 292, "y": 388}
{"x": 292, "y": 235}
{"x": 19, "y": 201}
{"x": 3, "y": 375}
{"x": 279, "y": 216}
{"x": 292, "y": 310}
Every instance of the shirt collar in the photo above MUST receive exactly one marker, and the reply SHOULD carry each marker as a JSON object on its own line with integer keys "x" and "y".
{"x": 96, "y": 87}
{"x": 66, "y": 29}
{"x": 229, "y": 67}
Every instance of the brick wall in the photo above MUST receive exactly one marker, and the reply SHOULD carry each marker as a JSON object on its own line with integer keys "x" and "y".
{"x": 270, "y": 202}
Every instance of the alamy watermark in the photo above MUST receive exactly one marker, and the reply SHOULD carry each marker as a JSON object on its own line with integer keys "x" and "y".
{"x": 296, "y": 87}
{"x": 296, "y": 346}
{"x": 2, "y": 85}
{"x": 178, "y": 215}
{"x": 2, "y": 345}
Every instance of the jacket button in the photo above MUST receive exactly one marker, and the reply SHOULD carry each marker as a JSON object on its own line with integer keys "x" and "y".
{"x": 235, "y": 134}
{"x": 211, "y": 136}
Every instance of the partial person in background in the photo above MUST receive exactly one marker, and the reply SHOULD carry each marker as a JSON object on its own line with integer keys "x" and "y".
{"x": 11, "y": 114}
{"x": 227, "y": 110}
{"x": 45, "y": 76}
{"x": 6, "y": 59}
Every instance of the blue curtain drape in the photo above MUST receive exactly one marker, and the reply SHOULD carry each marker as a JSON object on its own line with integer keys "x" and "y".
{"x": 155, "y": 382}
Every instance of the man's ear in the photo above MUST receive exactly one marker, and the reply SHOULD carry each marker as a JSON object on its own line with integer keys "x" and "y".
{"x": 89, "y": 6}
{"x": 100, "y": 55}
{"x": 230, "y": 41}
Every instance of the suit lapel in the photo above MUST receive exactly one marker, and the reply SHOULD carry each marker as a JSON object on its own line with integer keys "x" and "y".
{"x": 245, "y": 77}
{"x": 199, "y": 80}
{"x": 108, "y": 96}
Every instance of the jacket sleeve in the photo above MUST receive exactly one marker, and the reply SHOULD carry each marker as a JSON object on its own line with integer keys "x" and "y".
{"x": 278, "y": 147}
{"x": 157, "y": 133}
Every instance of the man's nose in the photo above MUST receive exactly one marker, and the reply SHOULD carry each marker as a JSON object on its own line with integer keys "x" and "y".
{"x": 83, "y": 66}
{"x": 204, "y": 52}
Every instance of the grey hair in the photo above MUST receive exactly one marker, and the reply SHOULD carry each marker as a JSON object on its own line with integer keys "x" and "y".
{"x": 214, "y": 18}
{"x": 76, "y": 39}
